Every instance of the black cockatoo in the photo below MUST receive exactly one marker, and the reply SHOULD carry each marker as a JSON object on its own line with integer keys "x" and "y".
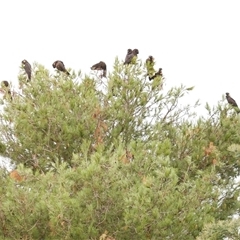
{"x": 131, "y": 56}
{"x": 232, "y": 102}
{"x": 28, "y": 69}
{"x": 60, "y": 66}
{"x": 100, "y": 66}
{"x": 158, "y": 73}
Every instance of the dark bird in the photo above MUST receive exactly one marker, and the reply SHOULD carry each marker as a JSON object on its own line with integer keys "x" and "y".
{"x": 5, "y": 85}
{"x": 130, "y": 55}
{"x": 28, "y": 69}
{"x": 150, "y": 60}
{"x": 100, "y": 66}
{"x": 60, "y": 66}
{"x": 232, "y": 102}
{"x": 158, "y": 73}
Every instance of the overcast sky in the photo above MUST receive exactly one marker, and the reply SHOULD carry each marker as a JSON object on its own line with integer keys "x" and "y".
{"x": 195, "y": 42}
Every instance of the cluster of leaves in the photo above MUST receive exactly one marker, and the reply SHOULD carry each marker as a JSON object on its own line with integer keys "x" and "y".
{"x": 122, "y": 162}
{"x": 142, "y": 200}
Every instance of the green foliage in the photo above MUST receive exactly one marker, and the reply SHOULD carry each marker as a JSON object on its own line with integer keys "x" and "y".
{"x": 136, "y": 199}
{"x": 221, "y": 230}
{"x": 130, "y": 162}
{"x": 54, "y": 117}
{"x": 2, "y": 148}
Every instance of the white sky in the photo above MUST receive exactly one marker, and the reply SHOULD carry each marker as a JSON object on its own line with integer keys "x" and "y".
{"x": 195, "y": 42}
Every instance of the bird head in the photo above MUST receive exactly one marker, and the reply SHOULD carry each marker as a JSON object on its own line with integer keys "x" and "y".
{"x": 129, "y": 51}
{"x": 227, "y": 94}
{"x": 135, "y": 51}
{"x": 150, "y": 58}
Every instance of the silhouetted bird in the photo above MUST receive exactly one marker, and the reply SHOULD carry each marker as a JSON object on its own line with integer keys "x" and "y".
{"x": 28, "y": 69}
{"x": 60, "y": 66}
{"x": 129, "y": 51}
{"x": 130, "y": 55}
{"x": 5, "y": 86}
{"x": 232, "y": 102}
{"x": 150, "y": 60}
{"x": 100, "y": 66}
{"x": 150, "y": 67}
{"x": 158, "y": 73}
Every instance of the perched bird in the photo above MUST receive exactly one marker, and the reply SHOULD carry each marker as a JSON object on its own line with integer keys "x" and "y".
{"x": 158, "y": 73}
{"x": 128, "y": 56}
{"x": 150, "y": 67}
{"x": 131, "y": 54}
{"x": 6, "y": 87}
{"x": 232, "y": 102}
{"x": 60, "y": 66}
{"x": 100, "y": 66}
{"x": 129, "y": 51}
{"x": 28, "y": 69}
{"x": 150, "y": 60}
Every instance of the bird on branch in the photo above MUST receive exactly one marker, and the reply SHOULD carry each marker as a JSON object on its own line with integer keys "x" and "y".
{"x": 232, "y": 102}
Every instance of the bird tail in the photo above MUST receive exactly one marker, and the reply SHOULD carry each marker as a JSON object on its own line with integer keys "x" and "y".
{"x": 29, "y": 76}
{"x": 104, "y": 73}
{"x": 67, "y": 73}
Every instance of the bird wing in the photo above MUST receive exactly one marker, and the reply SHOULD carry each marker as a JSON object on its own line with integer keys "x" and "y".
{"x": 103, "y": 65}
{"x": 61, "y": 63}
{"x": 99, "y": 66}
{"x": 233, "y": 102}
{"x": 128, "y": 58}
{"x": 28, "y": 69}
{"x": 60, "y": 66}
{"x": 96, "y": 66}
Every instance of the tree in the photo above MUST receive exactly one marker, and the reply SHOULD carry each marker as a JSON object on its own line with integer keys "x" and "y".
{"x": 54, "y": 118}
{"x": 128, "y": 162}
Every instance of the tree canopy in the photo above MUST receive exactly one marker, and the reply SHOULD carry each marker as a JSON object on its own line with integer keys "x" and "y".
{"x": 116, "y": 158}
